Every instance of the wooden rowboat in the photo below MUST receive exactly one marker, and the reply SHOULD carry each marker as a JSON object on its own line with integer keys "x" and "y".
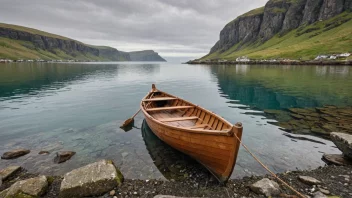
{"x": 193, "y": 130}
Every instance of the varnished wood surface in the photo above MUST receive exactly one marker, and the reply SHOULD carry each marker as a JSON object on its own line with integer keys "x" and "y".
{"x": 194, "y": 131}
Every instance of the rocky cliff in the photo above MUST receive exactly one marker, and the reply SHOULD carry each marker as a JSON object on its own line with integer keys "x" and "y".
{"x": 36, "y": 44}
{"x": 146, "y": 55}
{"x": 277, "y": 18}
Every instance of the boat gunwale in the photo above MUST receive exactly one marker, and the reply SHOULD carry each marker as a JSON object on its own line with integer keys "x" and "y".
{"x": 228, "y": 132}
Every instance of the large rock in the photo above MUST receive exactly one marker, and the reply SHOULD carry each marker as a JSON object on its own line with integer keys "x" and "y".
{"x": 336, "y": 159}
{"x": 8, "y": 172}
{"x": 309, "y": 180}
{"x": 29, "y": 188}
{"x": 63, "y": 156}
{"x": 343, "y": 141}
{"x": 93, "y": 179}
{"x": 266, "y": 187}
{"x": 15, "y": 153}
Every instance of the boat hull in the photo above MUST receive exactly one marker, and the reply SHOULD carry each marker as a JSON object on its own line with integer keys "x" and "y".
{"x": 218, "y": 153}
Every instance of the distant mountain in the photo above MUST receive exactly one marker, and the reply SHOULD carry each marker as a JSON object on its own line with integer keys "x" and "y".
{"x": 146, "y": 55}
{"x": 18, "y": 42}
{"x": 287, "y": 29}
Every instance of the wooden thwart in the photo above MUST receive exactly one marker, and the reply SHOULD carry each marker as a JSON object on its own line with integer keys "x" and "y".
{"x": 159, "y": 99}
{"x": 198, "y": 126}
{"x": 178, "y": 119}
{"x": 169, "y": 108}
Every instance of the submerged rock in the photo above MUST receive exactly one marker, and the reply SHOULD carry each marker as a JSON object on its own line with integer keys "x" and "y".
{"x": 44, "y": 152}
{"x": 8, "y": 172}
{"x": 343, "y": 142}
{"x": 336, "y": 159}
{"x": 266, "y": 187}
{"x": 94, "y": 179}
{"x": 63, "y": 156}
{"x": 309, "y": 180}
{"x": 29, "y": 188}
{"x": 15, "y": 153}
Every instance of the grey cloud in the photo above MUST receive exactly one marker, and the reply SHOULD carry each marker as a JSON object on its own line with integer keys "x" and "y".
{"x": 170, "y": 27}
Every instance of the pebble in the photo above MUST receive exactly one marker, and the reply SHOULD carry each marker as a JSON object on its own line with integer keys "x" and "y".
{"x": 115, "y": 197}
{"x": 135, "y": 193}
{"x": 112, "y": 193}
{"x": 326, "y": 192}
{"x": 308, "y": 180}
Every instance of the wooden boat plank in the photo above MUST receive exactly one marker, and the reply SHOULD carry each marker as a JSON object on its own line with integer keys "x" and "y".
{"x": 178, "y": 119}
{"x": 197, "y": 126}
{"x": 159, "y": 99}
{"x": 205, "y": 155}
{"x": 181, "y": 123}
{"x": 169, "y": 108}
{"x": 204, "y": 143}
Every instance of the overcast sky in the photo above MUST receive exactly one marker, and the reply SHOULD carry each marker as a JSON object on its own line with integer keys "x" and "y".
{"x": 174, "y": 28}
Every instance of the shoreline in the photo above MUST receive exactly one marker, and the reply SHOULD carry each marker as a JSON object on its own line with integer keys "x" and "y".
{"x": 336, "y": 180}
{"x": 224, "y": 62}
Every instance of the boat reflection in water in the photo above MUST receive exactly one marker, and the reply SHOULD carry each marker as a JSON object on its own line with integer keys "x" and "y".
{"x": 173, "y": 164}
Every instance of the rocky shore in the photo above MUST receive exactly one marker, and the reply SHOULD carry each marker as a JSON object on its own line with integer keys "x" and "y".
{"x": 335, "y": 181}
{"x": 104, "y": 179}
{"x": 259, "y": 62}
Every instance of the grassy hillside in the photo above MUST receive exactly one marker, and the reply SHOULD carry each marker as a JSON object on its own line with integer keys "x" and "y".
{"x": 323, "y": 37}
{"x": 18, "y": 49}
{"x": 15, "y": 49}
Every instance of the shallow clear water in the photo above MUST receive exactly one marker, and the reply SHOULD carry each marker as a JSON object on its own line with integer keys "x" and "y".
{"x": 80, "y": 106}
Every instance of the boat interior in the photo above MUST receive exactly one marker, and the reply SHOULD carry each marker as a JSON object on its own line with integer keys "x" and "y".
{"x": 180, "y": 113}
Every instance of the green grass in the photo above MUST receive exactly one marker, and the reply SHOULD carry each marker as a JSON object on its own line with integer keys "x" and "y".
{"x": 324, "y": 37}
{"x": 254, "y": 12}
{"x": 17, "y": 49}
{"x": 32, "y": 31}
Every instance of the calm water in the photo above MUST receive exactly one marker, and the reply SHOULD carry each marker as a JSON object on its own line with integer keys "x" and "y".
{"x": 80, "y": 106}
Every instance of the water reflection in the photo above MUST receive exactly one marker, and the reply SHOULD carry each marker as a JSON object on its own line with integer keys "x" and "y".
{"x": 170, "y": 162}
{"x": 19, "y": 80}
{"x": 277, "y": 87}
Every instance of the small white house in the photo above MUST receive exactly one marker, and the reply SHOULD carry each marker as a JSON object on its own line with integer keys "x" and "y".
{"x": 332, "y": 57}
{"x": 344, "y": 55}
{"x": 321, "y": 57}
{"x": 242, "y": 59}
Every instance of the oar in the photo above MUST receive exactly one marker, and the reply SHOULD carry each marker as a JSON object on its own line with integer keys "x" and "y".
{"x": 129, "y": 120}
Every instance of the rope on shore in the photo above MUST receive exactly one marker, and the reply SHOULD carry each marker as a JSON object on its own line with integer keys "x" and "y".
{"x": 272, "y": 173}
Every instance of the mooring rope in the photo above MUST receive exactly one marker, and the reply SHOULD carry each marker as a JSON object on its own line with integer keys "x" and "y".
{"x": 272, "y": 173}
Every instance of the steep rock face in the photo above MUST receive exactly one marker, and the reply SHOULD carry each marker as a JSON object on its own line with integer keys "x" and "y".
{"x": 228, "y": 36}
{"x": 146, "y": 55}
{"x": 348, "y": 5}
{"x": 114, "y": 55}
{"x": 331, "y": 8}
{"x": 294, "y": 15}
{"x": 278, "y": 16}
{"x": 249, "y": 28}
{"x": 245, "y": 28}
{"x": 311, "y": 11}
{"x": 274, "y": 15}
{"x": 52, "y": 43}
{"x": 48, "y": 43}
